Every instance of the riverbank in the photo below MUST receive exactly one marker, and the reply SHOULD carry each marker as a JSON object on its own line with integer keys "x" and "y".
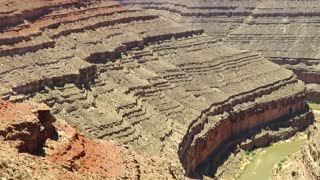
{"x": 265, "y": 159}
{"x": 305, "y": 164}
{"x": 273, "y": 144}
{"x": 280, "y": 160}
{"x": 259, "y": 163}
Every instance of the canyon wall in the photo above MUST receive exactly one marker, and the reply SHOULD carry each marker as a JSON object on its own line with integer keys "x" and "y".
{"x": 313, "y": 92}
{"x": 231, "y": 126}
{"x": 285, "y": 32}
{"x": 143, "y": 78}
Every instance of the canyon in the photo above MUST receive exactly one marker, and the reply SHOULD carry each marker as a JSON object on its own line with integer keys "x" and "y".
{"x": 305, "y": 163}
{"x": 153, "y": 89}
{"x": 285, "y": 32}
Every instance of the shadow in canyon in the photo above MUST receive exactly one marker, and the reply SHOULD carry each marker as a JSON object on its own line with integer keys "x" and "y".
{"x": 219, "y": 157}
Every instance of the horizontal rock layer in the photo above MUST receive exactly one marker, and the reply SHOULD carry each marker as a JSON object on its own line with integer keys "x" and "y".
{"x": 283, "y": 31}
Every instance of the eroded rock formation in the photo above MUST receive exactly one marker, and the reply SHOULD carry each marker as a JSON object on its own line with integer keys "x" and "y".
{"x": 311, "y": 157}
{"x": 143, "y": 78}
{"x": 28, "y": 125}
{"x": 283, "y": 31}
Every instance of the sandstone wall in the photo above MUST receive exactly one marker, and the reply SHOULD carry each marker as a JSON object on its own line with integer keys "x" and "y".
{"x": 233, "y": 125}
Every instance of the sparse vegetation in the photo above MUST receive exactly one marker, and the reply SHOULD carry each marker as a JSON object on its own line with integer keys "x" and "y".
{"x": 250, "y": 153}
{"x": 280, "y": 164}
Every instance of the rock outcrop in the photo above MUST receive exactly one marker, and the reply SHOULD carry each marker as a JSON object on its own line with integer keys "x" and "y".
{"x": 28, "y": 125}
{"x": 311, "y": 151}
{"x": 311, "y": 157}
{"x": 313, "y": 92}
{"x": 65, "y": 154}
{"x": 143, "y": 78}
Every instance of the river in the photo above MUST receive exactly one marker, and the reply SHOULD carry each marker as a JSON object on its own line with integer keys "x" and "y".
{"x": 266, "y": 158}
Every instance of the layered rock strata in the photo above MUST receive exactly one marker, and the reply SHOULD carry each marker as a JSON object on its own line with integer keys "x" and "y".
{"x": 286, "y": 33}
{"x": 283, "y": 31}
{"x": 282, "y": 130}
{"x": 217, "y": 18}
{"x": 144, "y": 79}
{"x": 313, "y": 92}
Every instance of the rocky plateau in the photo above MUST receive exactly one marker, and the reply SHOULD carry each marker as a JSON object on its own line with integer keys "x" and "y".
{"x": 159, "y": 89}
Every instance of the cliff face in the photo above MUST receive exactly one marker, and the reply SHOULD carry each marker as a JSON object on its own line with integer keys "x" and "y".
{"x": 285, "y": 32}
{"x": 313, "y": 92}
{"x": 142, "y": 78}
{"x": 232, "y": 125}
